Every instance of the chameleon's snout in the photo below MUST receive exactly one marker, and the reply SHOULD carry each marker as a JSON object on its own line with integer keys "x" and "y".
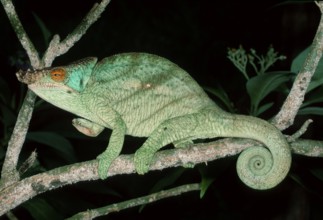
{"x": 28, "y": 77}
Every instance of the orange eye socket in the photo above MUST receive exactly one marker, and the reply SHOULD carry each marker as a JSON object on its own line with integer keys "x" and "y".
{"x": 58, "y": 75}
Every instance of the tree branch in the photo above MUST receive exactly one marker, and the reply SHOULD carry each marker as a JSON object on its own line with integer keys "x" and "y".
{"x": 295, "y": 98}
{"x": 21, "y": 33}
{"x": 9, "y": 171}
{"x": 19, "y": 192}
{"x": 94, "y": 213}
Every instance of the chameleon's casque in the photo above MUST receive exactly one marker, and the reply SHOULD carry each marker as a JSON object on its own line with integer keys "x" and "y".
{"x": 148, "y": 96}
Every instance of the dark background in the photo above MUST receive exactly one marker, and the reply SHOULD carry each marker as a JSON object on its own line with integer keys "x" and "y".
{"x": 195, "y": 35}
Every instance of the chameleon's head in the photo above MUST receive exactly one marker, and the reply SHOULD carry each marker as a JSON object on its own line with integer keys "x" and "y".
{"x": 58, "y": 82}
{"x": 60, "y": 86}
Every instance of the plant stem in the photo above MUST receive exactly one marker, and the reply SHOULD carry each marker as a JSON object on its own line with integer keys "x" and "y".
{"x": 57, "y": 48}
{"x": 90, "y": 214}
{"x": 9, "y": 173}
{"x": 21, "y": 33}
{"x": 295, "y": 98}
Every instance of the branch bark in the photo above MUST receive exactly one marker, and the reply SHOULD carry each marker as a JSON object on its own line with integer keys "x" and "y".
{"x": 21, "y": 33}
{"x": 9, "y": 171}
{"x": 19, "y": 192}
{"x": 94, "y": 213}
{"x": 57, "y": 48}
{"x": 295, "y": 98}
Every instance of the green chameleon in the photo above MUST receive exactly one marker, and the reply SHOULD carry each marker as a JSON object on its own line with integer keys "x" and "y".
{"x": 146, "y": 95}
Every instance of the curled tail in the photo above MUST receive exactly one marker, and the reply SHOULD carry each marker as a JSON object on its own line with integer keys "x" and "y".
{"x": 258, "y": 167}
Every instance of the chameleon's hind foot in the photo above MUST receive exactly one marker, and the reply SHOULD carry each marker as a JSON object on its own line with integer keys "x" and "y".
{"x": 104, "y": 165}
{"x": 142, "y": 160}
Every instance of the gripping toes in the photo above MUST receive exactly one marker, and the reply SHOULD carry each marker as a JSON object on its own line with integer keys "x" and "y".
{"x": 104, "y": 165}
{"x": 142, "y": 160}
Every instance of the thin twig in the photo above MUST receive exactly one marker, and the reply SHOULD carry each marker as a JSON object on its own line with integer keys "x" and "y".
{"x": 57, "y": 48}
{"x": 300, "y": 132}
{"x": 103, "y": 211}
{"x": 9, "y": 171}
{"x": 295, "y": 98}
{"x": 27, "y": 164}
{"x": 21, "y": 33}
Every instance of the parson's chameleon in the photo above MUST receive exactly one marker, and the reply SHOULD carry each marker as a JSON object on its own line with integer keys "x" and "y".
{"x": 146, "y": 95}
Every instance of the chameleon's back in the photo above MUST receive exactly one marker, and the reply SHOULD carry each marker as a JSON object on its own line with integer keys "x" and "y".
{"x": 145, "y": 90}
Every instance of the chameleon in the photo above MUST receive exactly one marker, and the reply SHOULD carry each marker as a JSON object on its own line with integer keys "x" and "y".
{"x": 145, "y": 95}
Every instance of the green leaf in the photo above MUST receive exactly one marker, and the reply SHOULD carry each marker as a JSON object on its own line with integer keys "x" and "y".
{"x": 299, "y": 180}
{"x": 297, "y": 64}
{"x": 318, "y": 173}
{"x": 165, "y": 182}
{"x": 311, "y": 111}
{"x": 55, "y": 141}
{"x": 205, "y": 183}
{"x": 44, "y": 30}
{"x": 7, "y": 116}
{"x": 208, "y": 176}
{"x": 168, "y": 180}
{"x": 39, "y": 209}
{"x": 263, "y": 108}
{"x": 260, "y": 86}
{"x": 2, "y": 153}
{"x": 313, "y": 97}
{"x": 5, "y": 92}
{"x": 220, "y": 93}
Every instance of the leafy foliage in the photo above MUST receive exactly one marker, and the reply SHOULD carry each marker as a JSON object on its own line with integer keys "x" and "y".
{"x": 260, "y": 64}
{"x": 264, "y": 83}
{"x": 260, "y": 86}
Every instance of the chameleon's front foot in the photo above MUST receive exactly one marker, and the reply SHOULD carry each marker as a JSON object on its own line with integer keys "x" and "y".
{"x": 142, "y": 160}
{"x": 104, "y": 165}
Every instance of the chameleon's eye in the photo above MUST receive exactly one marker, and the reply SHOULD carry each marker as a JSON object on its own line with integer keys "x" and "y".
{"x": 58, "y": 75}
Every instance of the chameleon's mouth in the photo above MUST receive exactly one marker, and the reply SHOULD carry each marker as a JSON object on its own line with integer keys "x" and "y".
{"x": 52, "y": 86}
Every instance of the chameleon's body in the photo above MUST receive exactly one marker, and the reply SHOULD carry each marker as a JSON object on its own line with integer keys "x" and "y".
{"x": 148, "y": 96}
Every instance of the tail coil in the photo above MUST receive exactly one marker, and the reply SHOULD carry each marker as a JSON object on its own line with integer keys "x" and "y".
{"x": 263, "y": 168}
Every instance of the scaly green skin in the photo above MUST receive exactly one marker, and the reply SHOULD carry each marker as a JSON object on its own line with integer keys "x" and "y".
{"x": 148, "y": 96}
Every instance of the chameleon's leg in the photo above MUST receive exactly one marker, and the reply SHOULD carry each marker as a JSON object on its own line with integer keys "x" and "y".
{"x": 114, "y": 148}
{"x": 87, "y": 127}
{"x": 115, "y": 144}
{"x": 170, "y": 131}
